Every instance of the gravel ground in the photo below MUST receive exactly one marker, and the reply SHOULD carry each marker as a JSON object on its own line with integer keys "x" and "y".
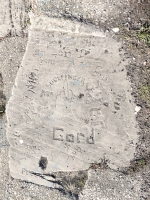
{"x": 104, "y": 184}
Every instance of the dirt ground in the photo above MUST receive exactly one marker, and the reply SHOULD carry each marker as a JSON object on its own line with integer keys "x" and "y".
{"x": 133, "y": 20}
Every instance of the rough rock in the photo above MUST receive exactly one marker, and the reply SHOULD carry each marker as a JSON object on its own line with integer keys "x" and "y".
{"x": 71, "y": 102}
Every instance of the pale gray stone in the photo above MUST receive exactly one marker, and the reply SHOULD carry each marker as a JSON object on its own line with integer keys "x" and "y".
{"x": 71, "y": 102}
{"x": 14, "y": 18}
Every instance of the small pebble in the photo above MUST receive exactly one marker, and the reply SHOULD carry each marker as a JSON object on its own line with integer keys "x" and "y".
{"x": 115, "y": 30}
{"x": 137, "y": 109}
{"x": 21, "y": 141}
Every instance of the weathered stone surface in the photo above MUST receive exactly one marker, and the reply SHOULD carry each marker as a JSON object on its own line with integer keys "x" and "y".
{"x": 71, "y": 102}
{"x": 14, "y": 17}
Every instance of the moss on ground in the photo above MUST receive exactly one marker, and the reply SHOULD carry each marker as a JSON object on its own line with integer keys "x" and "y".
{"x": 144, "y": 92}
{"x": 144, "y": 35}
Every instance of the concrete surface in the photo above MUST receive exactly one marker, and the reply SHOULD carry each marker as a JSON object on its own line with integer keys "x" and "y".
{"x": 14, "y": 17}
{"x": 117, "y": 186}
{"x": 107, "y": 184}
{"x": 71, "y": 102}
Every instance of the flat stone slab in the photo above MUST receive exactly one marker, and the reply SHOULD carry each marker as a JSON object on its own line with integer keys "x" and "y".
{"x": 71, "y": 103}
{"x": 14, "y": 17}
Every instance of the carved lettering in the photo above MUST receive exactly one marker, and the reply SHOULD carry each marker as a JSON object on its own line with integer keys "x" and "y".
{"x": 57, "y": 134}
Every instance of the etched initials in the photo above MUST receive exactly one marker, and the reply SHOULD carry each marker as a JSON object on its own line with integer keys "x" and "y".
{"x": 57, "y": 134}
{"x": 70, "y": 138}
